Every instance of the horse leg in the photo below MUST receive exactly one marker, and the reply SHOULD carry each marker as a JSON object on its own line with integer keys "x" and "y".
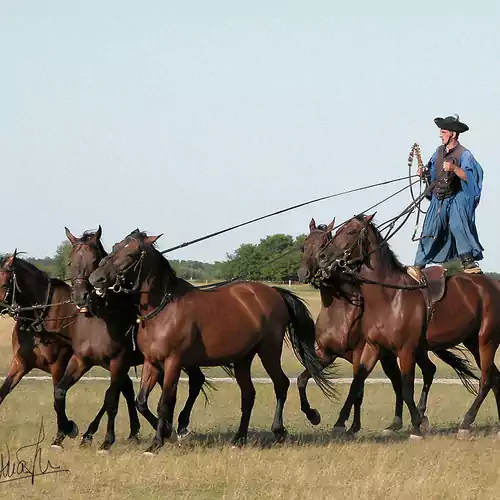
{"x": 312, "y": 414}
{"x": 18, "y": 369}
{"x": 428, "y": 371}
{"x": 244, "y": 379}
{"x": 127, "y": 390}
{"x": 345, "y": 412}
{"x": 270, "y": 355}
{"x": 369, "y": 358}
{"x": 93, "y": 427}
{"x": 390, "y": 366}
{"x": 487, "y": 362}
{"x": 356, "y": 421}
{"x": 166, "y": 405}
{"x": 196, "y": 381}
{"x": 74, "y": 371}
{"x": 128, "y": 393}
{"x": 150, "y": 375}
{"x": 118, "y": 370}
{"x": 473, "y": 345}
{"x": 407, "y": 362}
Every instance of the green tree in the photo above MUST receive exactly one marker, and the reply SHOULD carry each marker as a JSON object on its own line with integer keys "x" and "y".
{"x": 62, "y": 260}
{"x": 267, "y": 261}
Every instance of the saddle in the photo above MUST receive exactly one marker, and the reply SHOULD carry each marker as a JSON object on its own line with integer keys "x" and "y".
{"x": 435, "y": 280}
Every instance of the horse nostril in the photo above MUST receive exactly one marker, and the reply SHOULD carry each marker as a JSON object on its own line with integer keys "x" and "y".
{"x": 96, "y": 280}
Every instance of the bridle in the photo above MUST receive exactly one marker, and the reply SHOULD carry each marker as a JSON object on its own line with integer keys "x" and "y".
{"x": 346, "y": 262}
{"x": 121, "y": 276}
{"x": 11, "y": 288}
{"x": 351, "y": 265}
{"x": 14, "y": 310}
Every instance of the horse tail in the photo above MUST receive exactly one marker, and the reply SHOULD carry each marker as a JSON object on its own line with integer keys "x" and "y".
{"x": 209, "y": 386}
{"x": 462, "y": 366}
{"x": 301, "y": 334}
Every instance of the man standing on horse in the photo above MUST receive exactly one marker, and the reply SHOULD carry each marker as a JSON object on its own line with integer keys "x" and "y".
{"x": 449, "y": 230}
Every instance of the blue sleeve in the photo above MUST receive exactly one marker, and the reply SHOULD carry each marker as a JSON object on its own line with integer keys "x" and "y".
{"x": 474, "y": 184}
{"x": 431, "y": 167}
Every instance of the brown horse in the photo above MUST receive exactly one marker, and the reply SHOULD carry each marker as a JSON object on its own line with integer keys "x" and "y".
{"x": 182, "y": 326}
{"x": 397, "y": 316}
{"x": 339, "y": 334}
{"x": 40, "y": 338}
{"x": 102, "y": 335}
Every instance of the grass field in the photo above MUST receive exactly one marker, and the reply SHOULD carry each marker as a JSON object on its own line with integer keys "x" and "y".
{"x": 311, "y": 464}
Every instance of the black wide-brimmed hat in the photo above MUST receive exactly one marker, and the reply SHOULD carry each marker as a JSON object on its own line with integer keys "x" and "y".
{"x": 451, "y": 123}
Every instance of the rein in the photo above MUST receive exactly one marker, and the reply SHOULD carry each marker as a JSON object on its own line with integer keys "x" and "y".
{"x": 120, "y": 277}
{"x": 284, "y": 210}
{"x": 297, "y": 247}
{"x": 344, "y": 263}
{"x": 14, "y": 310}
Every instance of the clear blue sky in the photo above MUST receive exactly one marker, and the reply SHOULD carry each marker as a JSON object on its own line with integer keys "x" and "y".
{"x": 186, "y": 117}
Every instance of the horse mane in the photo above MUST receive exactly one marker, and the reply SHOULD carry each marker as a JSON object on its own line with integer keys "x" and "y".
{"x": 29, "y": 268}
{"x": 152, "y": 251}
{"x": 88, "y": 236}
{"x": 386, "y": 254}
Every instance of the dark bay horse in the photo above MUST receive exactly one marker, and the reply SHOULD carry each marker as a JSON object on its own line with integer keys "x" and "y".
{"x": 182, "y": 326}
{"x": 41, "y": 337}
{"x": 396, "y": 314}
{"x": 103, "y": 335}
{"x": 339, "y": 334}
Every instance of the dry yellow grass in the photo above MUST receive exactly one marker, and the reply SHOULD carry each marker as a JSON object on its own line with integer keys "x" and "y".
{"x": 310, "y": 465}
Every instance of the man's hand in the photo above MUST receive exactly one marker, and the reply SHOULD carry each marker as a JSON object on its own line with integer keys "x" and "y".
{"x": 421, "y": 171}
{"x": 448, "y": 166}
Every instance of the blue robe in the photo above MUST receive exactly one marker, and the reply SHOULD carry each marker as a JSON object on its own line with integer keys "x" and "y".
{"x": 449, "y": 229}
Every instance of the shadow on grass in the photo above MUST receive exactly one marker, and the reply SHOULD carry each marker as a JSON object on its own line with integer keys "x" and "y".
{"x": 265, "y": 439}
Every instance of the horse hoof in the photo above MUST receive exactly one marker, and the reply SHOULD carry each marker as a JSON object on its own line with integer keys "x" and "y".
{"x": 181, "y": 436}
{"x": 353, "y": 430}
{"x": 56, "y": 447}
{"x": 86, "y": 442}
{"x": 389, "y": 433}
{"x": 149, "y": 454}
{"x": 314, "y": 417}
{"x": 134, "y": 439}
{"x": 281, "y": 435}
{"x": 415, "y": 437}
{"x": 425, "y": 425}
{"x": 74, "y": 430}
{"x": 238, "y": 442}
{"x": 463, "y": 434}
{"x": 338, "y": 431}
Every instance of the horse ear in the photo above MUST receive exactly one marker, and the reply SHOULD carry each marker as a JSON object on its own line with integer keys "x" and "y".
{"x": 70, "y": 236}
{"x": 98, "y": 233}
{"x": 369, "y": 218}
{"x": 151, "y": 240}
{"x": 9, "y": 261}
{"x": 330, "y": 226}
{"x": 312, "y": 225}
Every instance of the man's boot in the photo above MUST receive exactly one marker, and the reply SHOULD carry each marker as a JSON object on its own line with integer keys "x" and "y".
{"x": 415, "y": 272}
{"x": 468, "y": 264}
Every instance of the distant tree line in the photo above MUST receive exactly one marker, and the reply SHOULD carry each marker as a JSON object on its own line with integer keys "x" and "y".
{"x": 250, "y": 261}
